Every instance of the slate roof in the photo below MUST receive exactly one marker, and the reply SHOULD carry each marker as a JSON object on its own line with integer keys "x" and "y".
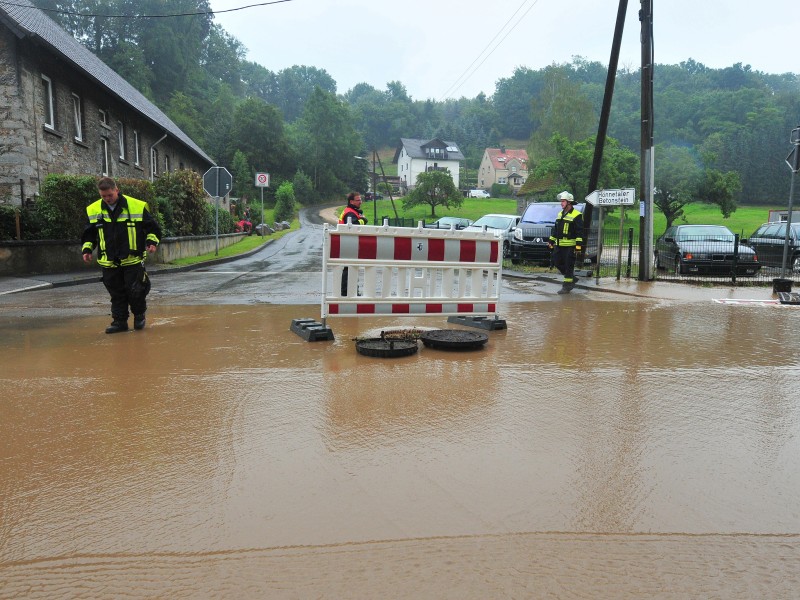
{"x": 27, "y": 21}
{"x": 414, "y": 148}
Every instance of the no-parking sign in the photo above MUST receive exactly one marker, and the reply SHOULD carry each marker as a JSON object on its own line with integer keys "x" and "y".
{"x": 262, "y": 179}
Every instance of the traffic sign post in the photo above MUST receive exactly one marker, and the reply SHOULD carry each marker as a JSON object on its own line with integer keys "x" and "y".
{"x": 262, "y": 181}
{"x": 793, "y": 160}
{"x": 623, "y": 197}
{"x": 217, "y": 182}
{"x": 603, "y": 198}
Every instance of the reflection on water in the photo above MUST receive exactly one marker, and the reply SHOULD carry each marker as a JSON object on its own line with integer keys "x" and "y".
{"x": 218, "y": 430}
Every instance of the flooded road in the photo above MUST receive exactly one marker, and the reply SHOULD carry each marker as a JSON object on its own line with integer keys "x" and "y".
{"x": 216, "y": 454}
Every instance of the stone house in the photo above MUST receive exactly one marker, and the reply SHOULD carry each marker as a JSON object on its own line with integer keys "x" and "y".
{"x": 503, "y": 166}
{"x": 65, "y": 111}
{"x": 415, "y": 156}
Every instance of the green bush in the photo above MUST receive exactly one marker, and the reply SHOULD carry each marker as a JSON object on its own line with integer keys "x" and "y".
{"x": 226, "y": 222}
{"x": 29, "y": 223}
{"x": 184, "y": 191}
{"x": 61, "y": 206}
{"x": 284, "y": 202}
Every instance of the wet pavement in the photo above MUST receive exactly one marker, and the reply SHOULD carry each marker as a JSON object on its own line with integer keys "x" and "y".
{"x": 625, "y": 441}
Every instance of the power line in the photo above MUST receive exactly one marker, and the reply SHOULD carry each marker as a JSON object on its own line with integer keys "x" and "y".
{"x": 190, "y": 14}
{"x": 467, "y": 73}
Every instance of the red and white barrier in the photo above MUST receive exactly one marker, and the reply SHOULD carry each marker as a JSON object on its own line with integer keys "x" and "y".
{"x": 410, "y": 271}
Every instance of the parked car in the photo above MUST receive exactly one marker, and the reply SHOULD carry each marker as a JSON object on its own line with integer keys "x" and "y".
{"x": 504, "y": 223}
{"x": 530, "y": 239}
{"x": 710, "y": 249}
{"x": 479, "y": 194}
{"x": 768, "y": 241}
{"x": 449, "y": 222}
{"x": 370, "y": 196}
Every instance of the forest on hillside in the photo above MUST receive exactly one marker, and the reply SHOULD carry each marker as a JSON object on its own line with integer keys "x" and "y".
{"x": 295, "y": 122}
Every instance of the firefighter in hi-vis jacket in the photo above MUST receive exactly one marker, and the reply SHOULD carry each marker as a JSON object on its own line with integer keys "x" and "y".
{"x": 566, "y": 240}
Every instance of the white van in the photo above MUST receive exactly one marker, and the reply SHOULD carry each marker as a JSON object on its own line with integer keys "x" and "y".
{"x": 479, "y": 194}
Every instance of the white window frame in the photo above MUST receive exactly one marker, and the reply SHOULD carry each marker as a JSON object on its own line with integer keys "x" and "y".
{"x": 49, "y": 103}
{"x": 137, "y": 156}
{"x": 121, "y": 137}
{"x": 77, "y": 116}
{"x": 166, "y": 164}
{"x": 153, "y": 163}
{"x": 103, "y": 117}
{"x": 104, "y": 166}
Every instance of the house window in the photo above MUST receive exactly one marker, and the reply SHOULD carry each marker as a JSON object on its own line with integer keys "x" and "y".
{"x": 49, "y": 103}
{"x": 103, "y": 117}
{"x": 77, "y": 117}
{"x": 153, "y": 163}
{"x": 166, "y": 164}
{"x": 137, "y": 157}
{"x": 514, "y": 169}
{"x": 121, "y": 135}
{"x": 104, "y": 156}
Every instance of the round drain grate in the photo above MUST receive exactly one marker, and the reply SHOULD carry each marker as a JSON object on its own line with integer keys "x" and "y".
{"x": 454, "y": 339}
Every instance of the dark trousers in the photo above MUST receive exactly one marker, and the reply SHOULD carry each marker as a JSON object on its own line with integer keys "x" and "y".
{"x": 564, "y": 261}
{"x": 118, "y": 282}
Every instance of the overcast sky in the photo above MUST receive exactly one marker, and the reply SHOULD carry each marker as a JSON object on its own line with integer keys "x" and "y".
{"x": 451, "y": 48}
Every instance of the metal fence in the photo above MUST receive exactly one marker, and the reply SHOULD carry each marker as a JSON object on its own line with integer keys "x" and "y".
{"x": 693, "y": 259}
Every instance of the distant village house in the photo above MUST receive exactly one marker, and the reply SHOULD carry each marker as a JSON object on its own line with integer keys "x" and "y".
{"x": 415, "y": 156}
{"x": 503, "y": 166}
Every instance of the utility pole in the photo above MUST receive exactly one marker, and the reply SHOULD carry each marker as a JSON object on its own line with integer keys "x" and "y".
{"x": 374, "y": 191}
{"x": 600, "y": 140}
{"x": 646, "y": 169}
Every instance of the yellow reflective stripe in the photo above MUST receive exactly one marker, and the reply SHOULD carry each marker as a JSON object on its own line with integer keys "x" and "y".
{"x": 132, "y": 236}
{"x": 152, "y": 237}
{"x": 131, "y": 260}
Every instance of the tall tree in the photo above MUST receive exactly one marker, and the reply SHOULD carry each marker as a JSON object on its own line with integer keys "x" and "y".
{"x": 434, "y": 188}
{"x": 327, "y": 142}
{"x": 678, "y": 175}
{"x": 561, "y": 107}
{"x": 257, "y": 131}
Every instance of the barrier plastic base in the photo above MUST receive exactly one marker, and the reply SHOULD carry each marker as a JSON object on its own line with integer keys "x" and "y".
{"x": 311, "y": 330}
{"x": 491, "y": 324}
{"x": 789, "y": 297}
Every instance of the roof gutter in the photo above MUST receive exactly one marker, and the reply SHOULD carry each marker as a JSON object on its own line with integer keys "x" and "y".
{"x": 152, "y": 170}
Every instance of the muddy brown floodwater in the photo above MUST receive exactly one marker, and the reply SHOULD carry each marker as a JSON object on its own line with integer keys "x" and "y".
{"x": 218, "y": 455}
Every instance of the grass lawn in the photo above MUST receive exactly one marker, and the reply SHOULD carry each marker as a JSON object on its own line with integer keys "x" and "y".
{"x": 744, "y": 221}
{"x": 245, "y": 245}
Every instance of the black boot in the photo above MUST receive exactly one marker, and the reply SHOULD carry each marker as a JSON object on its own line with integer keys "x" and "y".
{"x": 117, "y": 325}
{"x": 138, "y": 322}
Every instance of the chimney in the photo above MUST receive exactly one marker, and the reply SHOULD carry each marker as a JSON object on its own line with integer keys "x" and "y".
{"x": 502, "y": 149}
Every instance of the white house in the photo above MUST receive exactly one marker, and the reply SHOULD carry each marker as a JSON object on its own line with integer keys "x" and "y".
{"x": 420, "y": 156}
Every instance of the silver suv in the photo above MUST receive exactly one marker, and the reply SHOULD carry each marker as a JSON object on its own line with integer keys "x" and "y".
{"x": 498, "y": 222}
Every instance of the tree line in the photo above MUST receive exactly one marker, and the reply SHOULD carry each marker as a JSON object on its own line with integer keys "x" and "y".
{"x": 722, "y": 134}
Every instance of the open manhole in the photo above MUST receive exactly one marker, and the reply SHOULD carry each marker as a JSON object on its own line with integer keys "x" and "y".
{"x": 386, "y": 347}
{"x": 454, "y": 339}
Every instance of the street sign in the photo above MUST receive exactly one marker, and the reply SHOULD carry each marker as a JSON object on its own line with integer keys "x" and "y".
{"x": 793, "y": 160}
{"x": 217, "y": 182}
{"x": 262, "y": 179}
{"x": 625, "y": 196}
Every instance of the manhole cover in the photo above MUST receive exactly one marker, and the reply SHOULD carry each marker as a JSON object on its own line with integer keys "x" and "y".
{"x": 386, "y": 348}
{"x": 454, "y": 339}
